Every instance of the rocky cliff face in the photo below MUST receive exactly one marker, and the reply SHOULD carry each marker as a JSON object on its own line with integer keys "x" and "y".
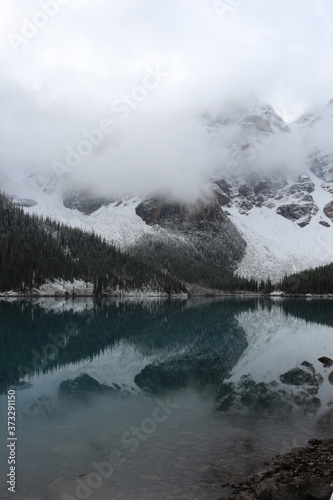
{"x": 259, "y": 135}
{"x": 290, "y": 198}
{"x": 321, "y": 164}
{"x": 197, "y": 241}
{"x": 203, "y": 215}
{"x": 84, "y": 201}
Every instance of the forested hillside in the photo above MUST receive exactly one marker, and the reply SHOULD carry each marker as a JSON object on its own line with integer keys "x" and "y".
{"x": 315, "y": 281}
{"x": 34, "y": 250}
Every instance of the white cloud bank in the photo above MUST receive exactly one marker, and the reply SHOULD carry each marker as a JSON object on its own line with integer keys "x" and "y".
{"x": 69, "y": 65}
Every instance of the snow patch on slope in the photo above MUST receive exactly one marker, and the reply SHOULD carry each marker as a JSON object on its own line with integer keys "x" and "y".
{"x": 57, "y": 288}
{"x": 277, "y": 246}
{"x": 118, "y": 222}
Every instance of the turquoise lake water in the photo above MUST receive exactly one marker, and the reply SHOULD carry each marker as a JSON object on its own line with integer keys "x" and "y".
{"x": 164, "y": 399}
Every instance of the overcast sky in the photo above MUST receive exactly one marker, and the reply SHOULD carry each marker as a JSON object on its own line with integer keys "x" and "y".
{"x": 179, "y": 58}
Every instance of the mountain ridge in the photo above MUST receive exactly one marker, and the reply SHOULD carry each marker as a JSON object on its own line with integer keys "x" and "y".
{"x": 278, "y": 201}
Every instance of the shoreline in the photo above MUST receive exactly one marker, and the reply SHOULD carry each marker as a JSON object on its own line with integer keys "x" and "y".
{"x": 33, "y": 295}
{"x": 305, "y": 472}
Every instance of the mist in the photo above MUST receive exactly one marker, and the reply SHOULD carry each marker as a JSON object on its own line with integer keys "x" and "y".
{"x": 113, "y": 95}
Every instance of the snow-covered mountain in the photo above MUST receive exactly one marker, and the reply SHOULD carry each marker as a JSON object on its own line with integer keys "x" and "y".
{"x": 271, "y": 189}
{"x": 279, "y": 192}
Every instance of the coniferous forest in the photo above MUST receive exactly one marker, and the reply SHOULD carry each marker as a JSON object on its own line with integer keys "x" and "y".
{"x": 34, "y": 250}
{"x": 315, "y": 281}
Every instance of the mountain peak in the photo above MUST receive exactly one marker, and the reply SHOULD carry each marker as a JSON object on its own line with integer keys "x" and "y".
{"x": 316, "y": 114}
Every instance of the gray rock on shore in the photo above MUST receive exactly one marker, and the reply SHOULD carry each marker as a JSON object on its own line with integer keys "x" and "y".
{"x": 305, "y": 473}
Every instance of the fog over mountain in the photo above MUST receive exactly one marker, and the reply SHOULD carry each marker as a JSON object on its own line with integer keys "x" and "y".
{"x": 117, "y": 94}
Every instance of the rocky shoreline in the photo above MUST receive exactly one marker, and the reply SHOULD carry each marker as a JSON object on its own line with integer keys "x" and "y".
{"x": 304, "y": 473}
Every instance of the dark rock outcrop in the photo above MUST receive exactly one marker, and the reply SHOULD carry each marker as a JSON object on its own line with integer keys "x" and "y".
{"x": 203, "y": 215}
{"x": 155, "y": 379}
{"x": 85, "y": 202}
{"x": 297, "y": 388}
{"x": 321, "y": 164}
{"x": 299, "y": 376}
{"x": 328, "y": 210}
{"x": 198, "y": 241}
{"x": 84, "y": 386}
{"x": 304, "y": 473}
{"x": 303, "y": 185}
{"x": 327, "y": 362}
{"x": 295, "y": 212}
{"x": 257, "y": 192}
{"x": 255, "y": 396}
{"x": 222, "y": 192}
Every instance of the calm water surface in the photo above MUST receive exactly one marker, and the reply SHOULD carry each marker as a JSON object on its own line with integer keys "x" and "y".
{"x": 183, "y": 396}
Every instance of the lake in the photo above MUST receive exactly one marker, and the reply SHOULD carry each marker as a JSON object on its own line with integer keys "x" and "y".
{"x": 159, "y": 399}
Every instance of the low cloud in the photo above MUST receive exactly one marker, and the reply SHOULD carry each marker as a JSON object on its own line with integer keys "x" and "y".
{"x": 64, "y": 82}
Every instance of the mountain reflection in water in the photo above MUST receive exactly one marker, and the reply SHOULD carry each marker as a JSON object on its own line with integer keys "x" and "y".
{"x": 244, "y": 374}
